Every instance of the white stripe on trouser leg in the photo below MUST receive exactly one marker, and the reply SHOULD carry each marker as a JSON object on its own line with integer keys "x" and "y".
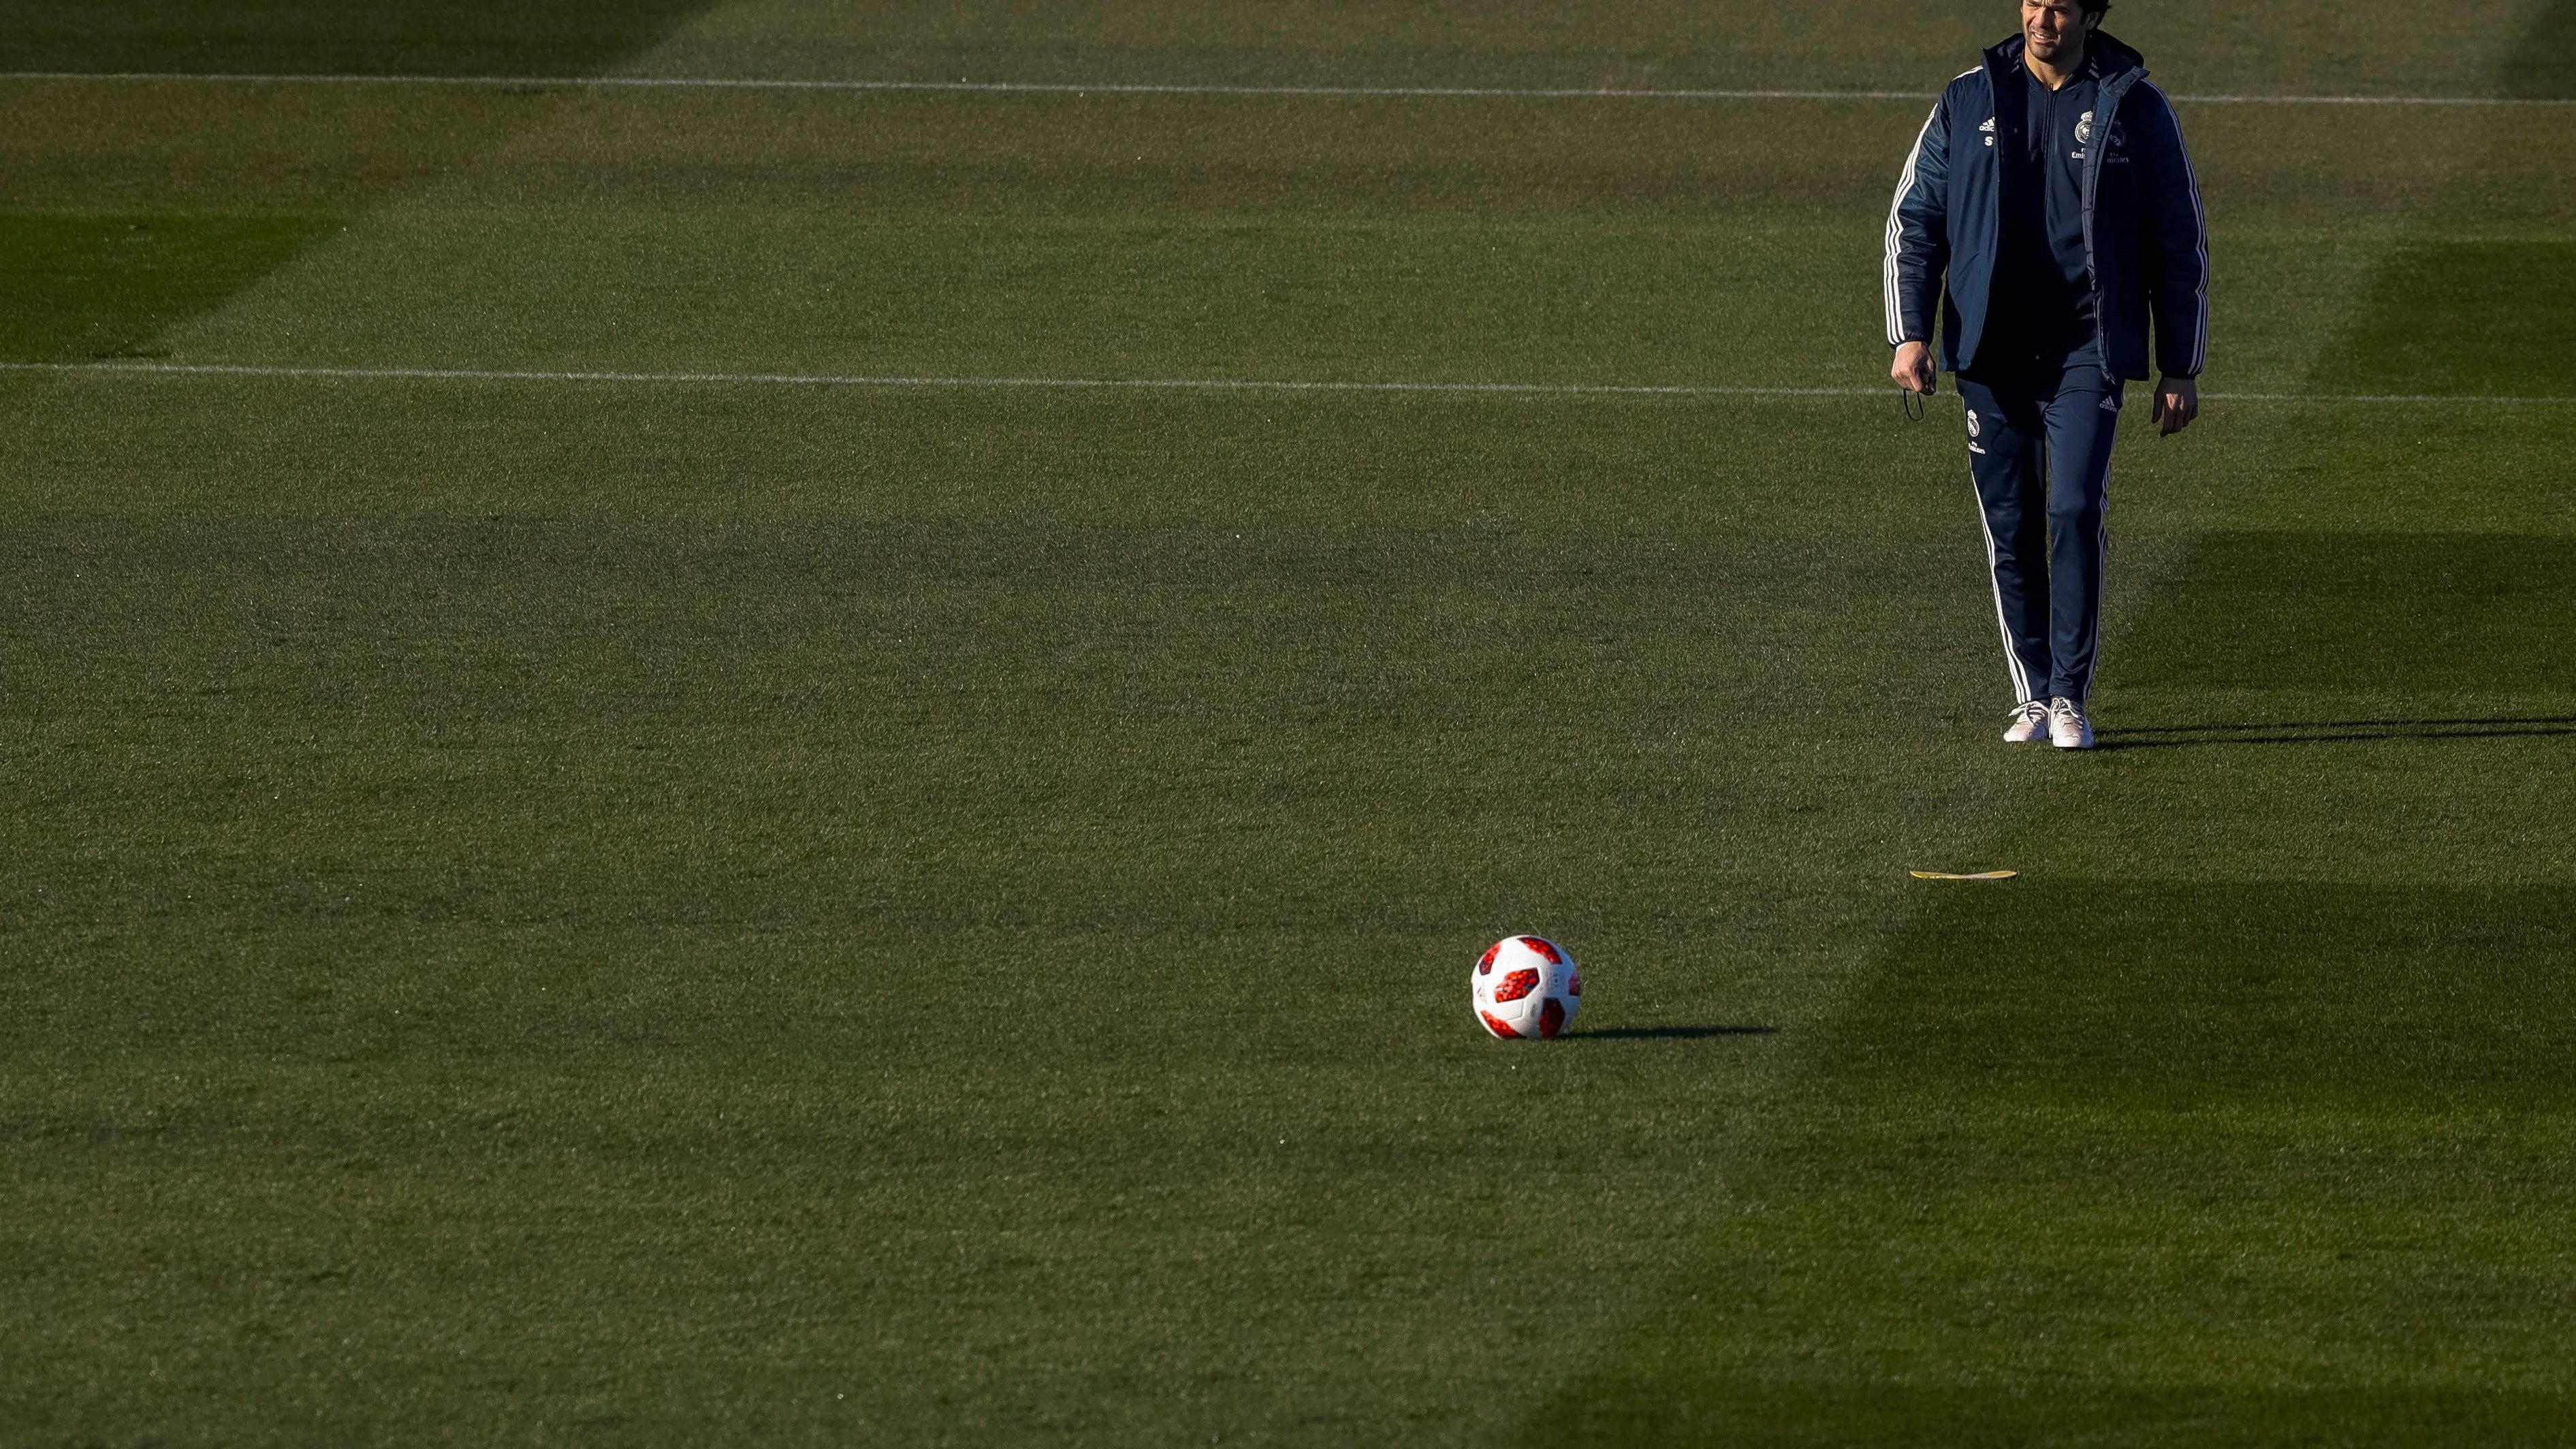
{"x": 2003, "y": 621}
{"x": 2101, "y": 574}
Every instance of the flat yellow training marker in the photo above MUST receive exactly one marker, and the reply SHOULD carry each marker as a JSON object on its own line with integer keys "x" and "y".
{"x": 1980, "y": 875}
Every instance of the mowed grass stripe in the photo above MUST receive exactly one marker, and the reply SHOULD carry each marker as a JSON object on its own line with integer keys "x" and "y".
{"x": 1183, "y": 88}
{"x": 1192, "y": 384}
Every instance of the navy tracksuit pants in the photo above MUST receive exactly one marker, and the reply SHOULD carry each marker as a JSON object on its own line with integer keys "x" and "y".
{"x": 2039, "y": 446}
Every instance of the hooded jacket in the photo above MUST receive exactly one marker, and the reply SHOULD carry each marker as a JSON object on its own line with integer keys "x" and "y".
{"x": 2146, "y": 241}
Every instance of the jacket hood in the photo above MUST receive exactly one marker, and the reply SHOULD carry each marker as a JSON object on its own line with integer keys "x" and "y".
{"x": 2116, "y": 57}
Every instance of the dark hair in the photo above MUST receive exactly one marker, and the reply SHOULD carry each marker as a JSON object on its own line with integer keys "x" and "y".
{"x": 2095, "y": 7}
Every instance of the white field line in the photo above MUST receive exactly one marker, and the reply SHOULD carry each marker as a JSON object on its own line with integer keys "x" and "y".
{"x": 854, "y": 380}
{"x": 1164, "y": 384}
{"x": 642, "y": 82}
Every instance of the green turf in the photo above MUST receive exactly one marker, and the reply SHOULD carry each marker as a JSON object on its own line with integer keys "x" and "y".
{"x": 2473, "y": 317}
{"x": 89, "y": 285}
{"x": 2543, "y": 64}
{"x": 302, "y": 37}
{"x": 552, "y": 912}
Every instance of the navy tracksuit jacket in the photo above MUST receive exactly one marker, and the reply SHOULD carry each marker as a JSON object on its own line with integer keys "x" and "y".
{"x": 2045, "y": 304}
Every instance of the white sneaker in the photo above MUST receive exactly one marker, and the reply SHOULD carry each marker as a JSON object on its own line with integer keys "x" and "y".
{"x": 2029, "y": 722}
{"x": 2068, "y": 729}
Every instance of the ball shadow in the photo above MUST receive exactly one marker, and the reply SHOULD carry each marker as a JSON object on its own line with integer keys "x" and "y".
{"x": 1637, "y": 1032}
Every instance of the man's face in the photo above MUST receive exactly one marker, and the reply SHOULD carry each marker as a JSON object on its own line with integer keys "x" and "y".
{"x": 2054, "y": 30}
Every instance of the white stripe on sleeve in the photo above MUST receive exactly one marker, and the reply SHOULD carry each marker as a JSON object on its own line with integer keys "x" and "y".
{"x": 1889, "y": 284}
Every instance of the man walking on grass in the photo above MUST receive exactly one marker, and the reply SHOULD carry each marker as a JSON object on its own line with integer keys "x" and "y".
{"x": 2050, "y": 212}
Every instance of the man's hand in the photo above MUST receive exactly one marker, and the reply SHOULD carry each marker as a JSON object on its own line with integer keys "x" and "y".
{"x": 2177, "y": 403}
{"x": 1914, "y": 372}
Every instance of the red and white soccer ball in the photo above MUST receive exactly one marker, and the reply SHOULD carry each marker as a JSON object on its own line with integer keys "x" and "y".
{"x": 1525, "y": 987}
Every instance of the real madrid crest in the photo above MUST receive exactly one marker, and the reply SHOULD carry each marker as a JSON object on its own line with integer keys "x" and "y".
{"x": 2084, "y": 129}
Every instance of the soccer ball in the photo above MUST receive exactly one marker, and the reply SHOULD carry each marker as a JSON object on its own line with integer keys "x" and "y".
{"x": 1526, "y": 986}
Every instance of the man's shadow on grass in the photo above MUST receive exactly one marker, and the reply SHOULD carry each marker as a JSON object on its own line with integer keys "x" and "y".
{"x": 1637, "y": 1032}
{"x": 2334, "y": 732}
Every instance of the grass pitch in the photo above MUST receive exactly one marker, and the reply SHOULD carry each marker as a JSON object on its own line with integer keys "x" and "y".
{"x": 551, "y": 911}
